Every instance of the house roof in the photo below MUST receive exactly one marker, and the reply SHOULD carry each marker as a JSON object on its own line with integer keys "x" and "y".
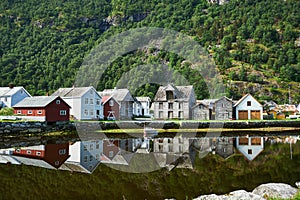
{"x": 105, "y": 99}
{"x": 224, "y": 97}
{"x": 243, "y": 98}
{"x": 143, "y": 99}
{"x": 72, "y": 92}
{"x": 39, "y": 101}
{"x": 7, "y": 91}
{"x": 118, "y": 94}
{"x": 181, "y": 92}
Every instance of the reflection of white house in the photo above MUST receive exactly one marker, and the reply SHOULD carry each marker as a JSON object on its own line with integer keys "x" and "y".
{"x": 10, "y": 96}
{"x": 248, "y": 108}
{"x": 250, "y": 147}
{"x": 85, "y": 102}
{"x": 84, "y": 156}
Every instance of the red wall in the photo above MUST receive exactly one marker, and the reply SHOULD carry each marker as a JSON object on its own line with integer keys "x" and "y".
{"x": 52, "y": 154}
{"x": 24, "y": 111}
{"x": 53, "y": 111}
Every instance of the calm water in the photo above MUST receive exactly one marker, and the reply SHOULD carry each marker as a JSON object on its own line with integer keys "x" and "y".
{"x": 152, "y": 168}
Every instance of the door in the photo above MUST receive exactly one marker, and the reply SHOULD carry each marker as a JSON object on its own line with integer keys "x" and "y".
{"x": 243, "y": 114}
{"x": 255, "y": 114}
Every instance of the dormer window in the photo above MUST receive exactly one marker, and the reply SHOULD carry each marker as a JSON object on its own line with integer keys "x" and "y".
{"x": 57, "y": 101}
{"x": 248, "y": 103}
{"x": 170, "y": 95}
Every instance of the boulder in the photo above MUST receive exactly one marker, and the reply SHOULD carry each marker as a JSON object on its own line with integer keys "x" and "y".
{"x": 275, "y": 190}
{"x": 235, "y": 195}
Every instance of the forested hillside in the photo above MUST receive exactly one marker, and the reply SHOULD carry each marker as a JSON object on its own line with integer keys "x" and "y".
{"x": 255, "y": 43}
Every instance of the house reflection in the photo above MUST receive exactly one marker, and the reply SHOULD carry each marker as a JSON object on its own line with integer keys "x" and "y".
{"x": 169, "y": 153}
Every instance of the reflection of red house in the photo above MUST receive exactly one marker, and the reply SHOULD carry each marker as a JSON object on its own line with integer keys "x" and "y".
{"x": 110, "y": 148}
{"x": 111, "y": 108}
{"x": 52, "y": 108}
{"x": 53, "y": 154}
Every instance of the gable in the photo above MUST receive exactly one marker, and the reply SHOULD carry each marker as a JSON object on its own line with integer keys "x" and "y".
{"x": 243, "y": 102}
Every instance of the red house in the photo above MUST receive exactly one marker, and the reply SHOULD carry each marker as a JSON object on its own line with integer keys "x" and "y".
{"x": 53, "y": 154}
{"x": 111, "y": 108}
{"x": 49, "y": 108}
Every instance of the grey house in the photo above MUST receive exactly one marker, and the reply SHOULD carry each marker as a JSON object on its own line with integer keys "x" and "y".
{"x": 213, "y": 109}
{"x": 174, "y": 102}
{"x": 124, "y": 98}
{"x": 223, "y": 109}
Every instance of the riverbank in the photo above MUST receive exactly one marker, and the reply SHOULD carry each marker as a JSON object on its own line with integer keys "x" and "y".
{"x": 227, "y": 128}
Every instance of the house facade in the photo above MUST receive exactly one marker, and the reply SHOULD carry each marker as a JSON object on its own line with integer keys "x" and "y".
{"x": 174, "y": 102}
{"x": 143, "y": 106}
{"x": 223, "y": 109}
{"x": 43, "y": 108}
{"x": 200, "y": 111}
{"x": 125, "y": 100}
{"x": 111, "y": 108}
{"x": 10, "y": 96}
{"x": 85, "y": 102}
{"x": 250, "y": 147}
{"x": 248, "y": 108}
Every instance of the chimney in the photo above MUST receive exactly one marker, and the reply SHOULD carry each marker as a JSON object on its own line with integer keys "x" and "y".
{"x": 11, "y": 86}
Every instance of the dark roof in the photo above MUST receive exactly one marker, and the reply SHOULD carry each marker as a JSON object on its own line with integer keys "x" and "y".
{"x": 39, "y": 101}
{"x": 182, "y": 93}
{"x": 72, "y": 92}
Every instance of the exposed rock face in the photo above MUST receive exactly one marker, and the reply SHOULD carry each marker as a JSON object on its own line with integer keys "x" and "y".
{"x": 235, "y": 195}
{"x": 275, "y": 190}
{"x": 262, "y": 192}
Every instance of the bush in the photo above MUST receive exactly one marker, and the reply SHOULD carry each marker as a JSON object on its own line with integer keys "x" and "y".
{"x": 7, "y": 111}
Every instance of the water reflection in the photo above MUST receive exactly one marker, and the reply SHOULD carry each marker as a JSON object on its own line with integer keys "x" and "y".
{"x": 170, "y": 153}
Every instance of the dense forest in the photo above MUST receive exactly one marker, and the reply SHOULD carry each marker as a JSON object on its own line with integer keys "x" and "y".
{"x": 255, "y": 43}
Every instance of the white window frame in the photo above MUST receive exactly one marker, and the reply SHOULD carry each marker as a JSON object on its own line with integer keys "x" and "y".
{"x": 29, "y": 112}
{"x": 28, "y": 152}
{"x": 39, "y": 112}
{"x": 19, "y": 112}
{"x": 57, "y": 101}
{"x": 91, "y": 101}
{"x": 110, "y": 154}
{"x": 86, "y": 101}
{"x": 62, "y": 151}
{"x": 86, "y": 112}
{"x": 62, "y": 112}
{"x": 98, "y": 102}
{"x": 91, "y": 112}
{"x": 111, "y": 103}
{"x": 38, "y": 153}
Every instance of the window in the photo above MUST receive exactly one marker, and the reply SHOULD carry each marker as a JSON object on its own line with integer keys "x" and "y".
{"x": 91, "y": 158}
{"x": 97, "y": 145}
{"x": 62, "y": 151}
{"x": 57, "y": 101}
{"x": 63, "y": 112}
{"x": 5, "y": 99}
{"x": 92, "y": 112}
{"x": 39, "y": 112}
{"x": 111, "y": 103}
{"x": 85, "y": 147}
{"x": 91, "y": 91}
{"x": 19, "y": 112}
{"x": 85, "y": 159}
{"x": 249, "y": 151}
{"x": 86, "y": 112}
{"x": 98, "y": 157}
{"x": 98, "y": 101}
{"x": 91, "y": 147}
{"x": 111, "y": 154}
{"x": 160, "y": 106}
{"x": 38, "y": 153}
{"x": 160, "y": 114}
{"x": 28, "y": 152}
{"x": 29, "y": 112}
{"x": 170, "y": 148}
{"x": 18, "y": 150}
{"x": 56, "y": 163}
{"x": 21, "y": 91}
{"x": 170, "y": 105}
{"x": 180, "y": 114}
{"x": 92, "y": 101}
{"x": 179, "y": 105}
{"x": 86, "y": 101}
{"x": 248, "y": 103}
{"x": 170, "y": 95}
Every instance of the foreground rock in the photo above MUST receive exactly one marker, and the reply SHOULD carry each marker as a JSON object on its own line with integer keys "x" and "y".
{"x": 275, "y": 190}
{"x": 262, "y": 192}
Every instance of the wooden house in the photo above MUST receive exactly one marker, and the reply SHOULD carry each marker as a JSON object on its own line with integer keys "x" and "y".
{"x": 85, "y": 102}
{"x": 250, "y": 147}
{"x": 43, "y": 108}
{"x": 10, "y": 96}
{"x": 111, "y": 108}
{"x": 248, "y": 108}
{"x": 174, "y": 102}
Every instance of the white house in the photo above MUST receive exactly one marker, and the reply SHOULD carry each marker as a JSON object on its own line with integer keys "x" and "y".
{"x": 250, "y": 147}
{"x": 10, "y": 96}
{"x": 145, "y": 105}
{"x": 85, "y": 102}
{"x": 248, "y": 108}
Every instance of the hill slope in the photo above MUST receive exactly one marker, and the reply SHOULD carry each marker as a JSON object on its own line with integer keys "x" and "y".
{"x": 254, "y": 43}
